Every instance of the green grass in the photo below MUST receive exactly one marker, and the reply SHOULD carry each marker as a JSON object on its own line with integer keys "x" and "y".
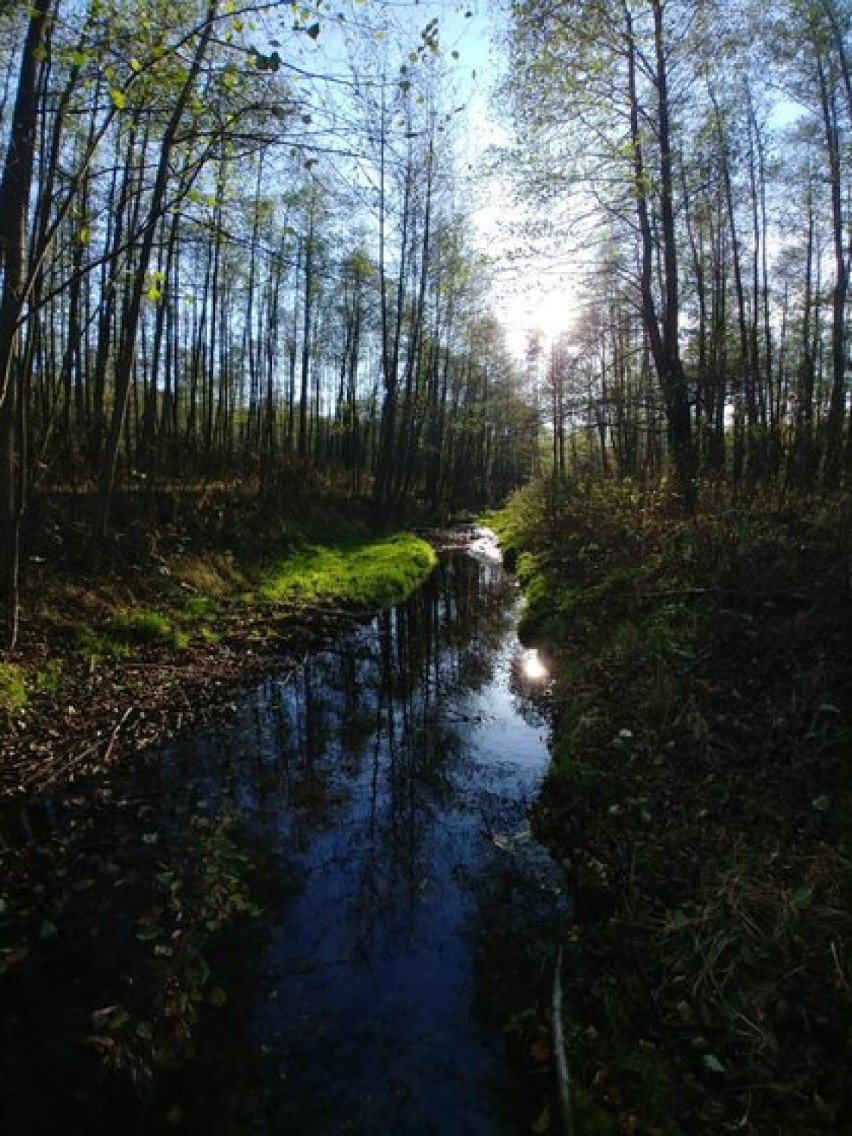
{"x": 355, "y": 571}
{"x": 124, "y": 630}
{"x": 138, "y": 627}
{"x": 49, "y": 679}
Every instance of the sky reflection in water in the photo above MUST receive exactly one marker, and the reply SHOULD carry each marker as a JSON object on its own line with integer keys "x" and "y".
{"x": 386, "y": 778}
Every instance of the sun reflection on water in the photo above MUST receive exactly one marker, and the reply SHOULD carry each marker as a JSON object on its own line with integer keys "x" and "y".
{"x": 532, "y": 666}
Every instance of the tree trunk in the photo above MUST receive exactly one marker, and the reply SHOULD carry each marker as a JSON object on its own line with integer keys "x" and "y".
{"x": 14, "y": 201}
{"x": 662, "y": 327}
{"x": 127, "y": 350}
{"x": 837, "y": 401}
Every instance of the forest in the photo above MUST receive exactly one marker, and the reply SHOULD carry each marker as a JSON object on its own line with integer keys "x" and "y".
{"x": 249, "y": 304}
{"x": 213, "y": 267}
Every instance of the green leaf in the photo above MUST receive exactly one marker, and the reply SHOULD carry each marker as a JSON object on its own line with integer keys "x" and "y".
{"x": 711, "y": 1061}
{"x": 119, "y": 100}
{"x": 119, "y": 1019}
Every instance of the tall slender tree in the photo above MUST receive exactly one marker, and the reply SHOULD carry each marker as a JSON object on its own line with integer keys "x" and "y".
{"x": 15, "y": 188}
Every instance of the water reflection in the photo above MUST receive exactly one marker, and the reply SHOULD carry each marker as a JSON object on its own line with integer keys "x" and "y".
{"x": 378, "y": 776}
{"x": 532, "y": 667}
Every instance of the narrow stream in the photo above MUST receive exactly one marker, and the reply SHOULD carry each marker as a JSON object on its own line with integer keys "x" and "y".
{"x": 391, "y": 777}
{"x": 407, "y": 922}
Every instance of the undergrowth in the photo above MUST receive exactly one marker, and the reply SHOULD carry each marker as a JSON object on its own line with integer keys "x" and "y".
{"x": 13, "y": 690}
{"x": 699, "y": 791}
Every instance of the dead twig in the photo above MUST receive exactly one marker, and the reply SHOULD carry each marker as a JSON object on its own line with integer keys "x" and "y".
{"x": 42, "y": 779}
{"x": 563, "y": 1076}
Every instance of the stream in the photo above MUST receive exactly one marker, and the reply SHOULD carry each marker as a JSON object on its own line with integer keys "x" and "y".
{"x": 408, "y": 921}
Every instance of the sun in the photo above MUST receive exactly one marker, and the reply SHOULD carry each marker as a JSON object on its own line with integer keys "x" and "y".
{"x": 538, "y": 305}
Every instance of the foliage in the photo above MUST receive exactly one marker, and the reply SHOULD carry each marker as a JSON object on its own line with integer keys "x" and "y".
{"x": 49, "y": 678}
{"x": 193, "y": 899}
{"x": 698, "y": 788}
{"x": 331, "y": 331}
{"x": 125, "y": 630}
{"x": 691, "y": 143}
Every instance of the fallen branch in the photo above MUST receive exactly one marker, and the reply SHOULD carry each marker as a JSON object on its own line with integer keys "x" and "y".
{"x": 41, "y": 779}
{"x": 563, "y": 1076}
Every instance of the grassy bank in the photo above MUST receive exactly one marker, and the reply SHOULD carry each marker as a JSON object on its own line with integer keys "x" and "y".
{"x": 212, "y": 588}
{"x": 112, "y": 900}
{"x": 354, "y": 570}
{"x": 699, "y": 795}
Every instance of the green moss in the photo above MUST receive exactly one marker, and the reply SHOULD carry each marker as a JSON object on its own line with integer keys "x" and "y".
{"x": 13, "y": 689}
{"x": 50, "y": 678}
{"x": 549, "y": 606}
{"x": 355, "y": 570}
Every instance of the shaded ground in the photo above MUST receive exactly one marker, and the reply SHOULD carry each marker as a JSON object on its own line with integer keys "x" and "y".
{"x": 117, "y": 658}
{"x": 701, "y": 797}
{"x": 110, "y": 922}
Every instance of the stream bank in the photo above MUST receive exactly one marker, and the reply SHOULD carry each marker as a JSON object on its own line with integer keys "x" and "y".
{"x": 700, "y": 795}
{"x": 108, "y": 670}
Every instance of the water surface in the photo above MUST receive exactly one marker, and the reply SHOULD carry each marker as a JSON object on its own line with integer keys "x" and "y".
{"x": 388, "y": 778}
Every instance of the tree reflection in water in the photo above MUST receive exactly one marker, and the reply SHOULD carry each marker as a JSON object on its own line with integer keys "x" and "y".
{"x": 377, "y": 776}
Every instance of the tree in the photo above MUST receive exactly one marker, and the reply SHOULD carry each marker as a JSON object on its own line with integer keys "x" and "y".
{"x": 15, "y": 189}
{"x": 610, "y": 64}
